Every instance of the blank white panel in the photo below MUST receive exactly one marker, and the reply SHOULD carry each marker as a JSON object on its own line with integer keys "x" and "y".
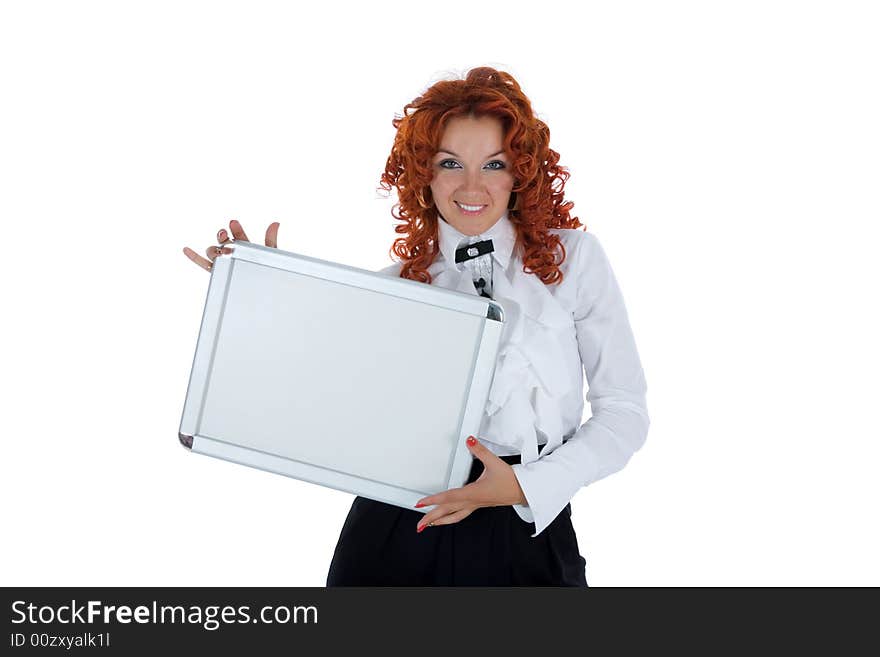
{"x": 339, "y": 376}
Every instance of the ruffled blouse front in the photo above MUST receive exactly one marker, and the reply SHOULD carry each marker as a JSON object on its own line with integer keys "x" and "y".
{"x": 531, "y": 373}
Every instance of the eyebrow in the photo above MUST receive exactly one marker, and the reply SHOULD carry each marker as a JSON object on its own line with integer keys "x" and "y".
{"x": 443, "y": 150}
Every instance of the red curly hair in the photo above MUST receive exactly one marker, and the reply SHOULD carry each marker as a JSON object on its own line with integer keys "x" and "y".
{"x": 539, "y": 178}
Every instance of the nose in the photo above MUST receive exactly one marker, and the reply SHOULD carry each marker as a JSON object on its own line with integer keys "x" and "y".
{"x": 473, "y": 187}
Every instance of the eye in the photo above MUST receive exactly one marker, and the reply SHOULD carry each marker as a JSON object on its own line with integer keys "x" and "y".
{"x": 452, "y": 164}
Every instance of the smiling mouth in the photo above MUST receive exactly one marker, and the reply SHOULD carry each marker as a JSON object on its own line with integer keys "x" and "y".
{"x": 470, "y": 209}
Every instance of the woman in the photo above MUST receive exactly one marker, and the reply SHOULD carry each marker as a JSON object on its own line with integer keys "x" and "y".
{"x": 482, "y": 211}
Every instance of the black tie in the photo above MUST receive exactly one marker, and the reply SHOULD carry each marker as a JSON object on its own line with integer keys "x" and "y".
{"x": 481, "y": 285}
{"x": 477, "y": 250}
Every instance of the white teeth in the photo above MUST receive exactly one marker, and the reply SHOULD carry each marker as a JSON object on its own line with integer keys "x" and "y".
{"x": 469, "y": 208}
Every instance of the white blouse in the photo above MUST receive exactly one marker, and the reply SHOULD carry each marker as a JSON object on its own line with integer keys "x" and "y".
{"x": 552, "y": 335}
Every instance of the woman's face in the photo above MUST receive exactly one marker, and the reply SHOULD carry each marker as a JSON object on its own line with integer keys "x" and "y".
{"x": 471, "y": 169}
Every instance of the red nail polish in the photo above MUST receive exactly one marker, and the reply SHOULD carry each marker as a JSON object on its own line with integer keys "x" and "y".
{"x": 471, "y": 441}
{"x": 419, "y": 505}
{"x": 420, "y": 528}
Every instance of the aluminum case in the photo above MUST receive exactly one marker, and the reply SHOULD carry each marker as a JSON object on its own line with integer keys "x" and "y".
{"x": 339, "y": 376}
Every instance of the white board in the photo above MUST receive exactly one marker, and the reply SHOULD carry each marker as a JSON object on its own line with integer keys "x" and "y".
{"x": 339, "y": 376}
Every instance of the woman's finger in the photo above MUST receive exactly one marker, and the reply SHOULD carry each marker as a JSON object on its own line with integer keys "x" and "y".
{"x": 237, "y": 230}
{"x": 196, "y": 258}
{"x": 214, "y": 251}
{"x": 447, "y": 519}
{"x": 222, "y": 236}
{"x": 272, "y": 235}
{"x": 451, "y": 518}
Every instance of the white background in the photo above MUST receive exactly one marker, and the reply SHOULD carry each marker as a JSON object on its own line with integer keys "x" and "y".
{"x": 724, "y": 153}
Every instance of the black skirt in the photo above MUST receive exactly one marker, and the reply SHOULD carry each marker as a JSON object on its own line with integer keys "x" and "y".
{"x": 493, "y": 546}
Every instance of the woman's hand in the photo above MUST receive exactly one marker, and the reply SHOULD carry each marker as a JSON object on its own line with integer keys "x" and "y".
{"x": 496, "y": 486}
{"x": 222, "y": 237}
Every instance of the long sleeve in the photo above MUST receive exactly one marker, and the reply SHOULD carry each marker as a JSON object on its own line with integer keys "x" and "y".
{"x": 619, "y": 423}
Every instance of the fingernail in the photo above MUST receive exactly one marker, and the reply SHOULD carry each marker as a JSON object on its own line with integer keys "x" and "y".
{"x": 420, "y": 528}
{"x": 419, "y": 505}
{"x": 471, "y": 441}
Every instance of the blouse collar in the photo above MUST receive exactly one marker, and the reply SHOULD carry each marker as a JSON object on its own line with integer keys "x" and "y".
{"x": 502, "y": 233}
